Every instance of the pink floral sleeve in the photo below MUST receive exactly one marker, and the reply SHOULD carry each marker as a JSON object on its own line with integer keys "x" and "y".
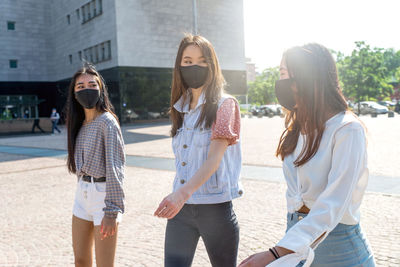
{"x": 227, "y": 123}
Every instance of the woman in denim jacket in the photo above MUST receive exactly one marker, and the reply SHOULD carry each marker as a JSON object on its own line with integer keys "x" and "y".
{"x": 205, "y": 131}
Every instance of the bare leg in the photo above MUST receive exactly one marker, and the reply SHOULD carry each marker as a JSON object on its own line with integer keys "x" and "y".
{"x": 82, "y": 241}
{"x": 105, "y": 249}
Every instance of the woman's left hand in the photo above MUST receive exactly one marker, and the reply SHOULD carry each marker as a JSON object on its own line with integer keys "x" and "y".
{"x": 108, "y": 227}
{"x": 171, "y": 205}
{"x": 258, "y": 260}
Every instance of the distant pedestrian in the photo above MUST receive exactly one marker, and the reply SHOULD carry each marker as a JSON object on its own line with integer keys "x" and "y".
{"x": 36, "y": 125}
{"x": 397, "y": 107}
{"x": 96, "y": 155}
{"x": 205, "y": 138}
{"x": 324, "y": 155}
{"x": 55, "y": 117}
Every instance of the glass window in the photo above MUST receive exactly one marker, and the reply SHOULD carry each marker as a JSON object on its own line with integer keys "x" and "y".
{"x": 100, "y": 6}
{"x": 13, "y": 63}
{"x": 109, "y": 49}
{"x": 78, "y": 14}
{"x": 80, "y": 55}
{"x": 11, "y": 25}
{"x": 91, "y": 54}
{"x": 69, "y": 19}
{"x": 70, "y": 59}
{"x": 96, "y": 51}
{"x": 88, "y": 11}
{"x": 94, "y": 8}
{"x": 103, "y": 52}
{"x": 83, "y": 14}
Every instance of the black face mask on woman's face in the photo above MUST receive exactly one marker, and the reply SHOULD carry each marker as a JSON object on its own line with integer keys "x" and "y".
{"x": 194, "y": 76}
{"x": 285, "y": 94}
{"x": 88, "y": 98}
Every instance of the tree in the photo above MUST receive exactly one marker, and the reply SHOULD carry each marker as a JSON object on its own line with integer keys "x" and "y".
{"x": 262, "y": 90}
{"x": 364, "y": 74}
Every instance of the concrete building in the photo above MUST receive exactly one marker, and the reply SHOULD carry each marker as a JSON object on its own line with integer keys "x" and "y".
{"x": 133, "y": 44}
{"x": 250, "y": 70}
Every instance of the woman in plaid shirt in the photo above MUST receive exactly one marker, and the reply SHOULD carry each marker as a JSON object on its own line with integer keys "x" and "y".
{"x": 96, "y": 155}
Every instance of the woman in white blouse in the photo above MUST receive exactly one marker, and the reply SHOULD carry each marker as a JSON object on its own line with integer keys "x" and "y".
{"x": 325, "y": 165}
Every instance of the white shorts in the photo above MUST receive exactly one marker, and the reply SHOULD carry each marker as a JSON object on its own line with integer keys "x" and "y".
{"x": 89, "y": 202}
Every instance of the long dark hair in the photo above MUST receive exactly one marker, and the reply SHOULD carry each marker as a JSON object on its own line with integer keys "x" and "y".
{"x": 213, "y": 87}
{"x": 76, "y": 114}
{"x": 314, "y": 72}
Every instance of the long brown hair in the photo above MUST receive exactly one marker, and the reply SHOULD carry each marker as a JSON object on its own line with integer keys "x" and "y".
{"x": 213, "y": 87}
{"x": 319, "y": 95}
{"x": 76, "y": 114}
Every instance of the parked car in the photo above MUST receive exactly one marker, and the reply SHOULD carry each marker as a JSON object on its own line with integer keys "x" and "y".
{"x": 154, "y": 115}
{"x": 387, "y": 103}
{"x": 275, "y": 108}
{"x": 370, "y": 107}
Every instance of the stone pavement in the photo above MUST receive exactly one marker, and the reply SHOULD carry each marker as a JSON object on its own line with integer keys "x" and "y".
{"x": 36, "y": 196}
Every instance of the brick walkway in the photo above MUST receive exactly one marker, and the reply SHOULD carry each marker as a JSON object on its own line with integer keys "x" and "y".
{"x": 36, "y": 196}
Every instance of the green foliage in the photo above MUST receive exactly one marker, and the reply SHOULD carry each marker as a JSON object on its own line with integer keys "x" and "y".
{"x": 366, "y": 73}
{"x": 262, "y": 90}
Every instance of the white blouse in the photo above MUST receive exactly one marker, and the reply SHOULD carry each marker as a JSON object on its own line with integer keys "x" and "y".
{"x": 331, "y": 185}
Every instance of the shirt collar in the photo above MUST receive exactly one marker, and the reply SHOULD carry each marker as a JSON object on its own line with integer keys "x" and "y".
{"x": 183, "y": 106}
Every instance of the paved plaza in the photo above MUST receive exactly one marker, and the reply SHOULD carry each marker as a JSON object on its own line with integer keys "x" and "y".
{"x": 36, "y": 195}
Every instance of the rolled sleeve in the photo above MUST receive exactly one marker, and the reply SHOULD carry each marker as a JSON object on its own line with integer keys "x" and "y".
{"x": 349, "y": 165}
{"x": 115, "y": 164}
{"x": 227, "y": 123}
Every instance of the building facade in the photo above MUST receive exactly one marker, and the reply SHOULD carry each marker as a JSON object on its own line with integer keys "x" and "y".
{"x": 132, "y": 43}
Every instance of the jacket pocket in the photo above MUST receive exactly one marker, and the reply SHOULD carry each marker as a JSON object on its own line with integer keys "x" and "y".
{"x": 202, "y": 137}
{"x": 212, "y": 185}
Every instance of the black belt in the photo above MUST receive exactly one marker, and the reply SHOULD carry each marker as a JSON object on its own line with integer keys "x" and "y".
{"x": 87, "y": 178}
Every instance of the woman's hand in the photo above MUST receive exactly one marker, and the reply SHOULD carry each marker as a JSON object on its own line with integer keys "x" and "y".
{"x": 108, "y": 227}
{"x": 172, "y": 204}
{"x": 261, "y": 259}
{"x": 264, "y": 258}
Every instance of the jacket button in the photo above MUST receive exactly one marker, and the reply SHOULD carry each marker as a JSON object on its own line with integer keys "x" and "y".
{"x": 183, "y": 163}
{"x": 185, "y": 146}
{"x": 182, "y": 181}
{"x": 240, "y": 192}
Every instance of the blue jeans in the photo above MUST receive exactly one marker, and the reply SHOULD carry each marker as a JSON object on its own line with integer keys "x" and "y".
{"x": 345, "y": 246}
{"x": 54, "y": 126}
{"x": 215, "y": 223}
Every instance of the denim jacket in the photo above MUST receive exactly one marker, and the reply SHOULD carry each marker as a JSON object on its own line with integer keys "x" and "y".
{"x": 191, "y": 145}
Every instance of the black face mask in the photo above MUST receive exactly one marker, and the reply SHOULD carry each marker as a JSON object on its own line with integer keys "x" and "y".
{"x": 194, "y": 76}
{"x": 88, "y": 98}
{"x": 285, "y": 94}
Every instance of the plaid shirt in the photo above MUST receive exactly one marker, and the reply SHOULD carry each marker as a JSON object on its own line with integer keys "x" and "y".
{"x": 99, "y": 152}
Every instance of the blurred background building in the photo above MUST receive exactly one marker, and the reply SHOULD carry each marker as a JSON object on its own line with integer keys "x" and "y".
{"x": 132, "y": 43}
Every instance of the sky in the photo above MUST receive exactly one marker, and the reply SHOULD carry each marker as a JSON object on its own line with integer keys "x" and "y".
{"x": 272, "y": 26}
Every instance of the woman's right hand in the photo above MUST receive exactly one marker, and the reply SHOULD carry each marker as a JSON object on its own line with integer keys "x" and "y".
{"x": 172, "y": 204}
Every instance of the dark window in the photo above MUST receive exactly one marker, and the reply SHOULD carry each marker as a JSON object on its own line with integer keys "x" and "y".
{"x": 96, "y": 51}
{"x": 11, "y": 25}
{"x": 100, "y": 6}
{"x": 91, "y": 54}
{"x": 70, "y": 59}
{"x": 103, "y": 52}
{"x": 13, "y": 63}
{"x": 83, "y": 14}
{"x": 88, "y": 11}
{"x": 77, "y": 14}
{"x": 94, "y": 8}
{"x": 69, "y": 19}
{"x": 109, "y": 49}
{"x": 91, "y": 10}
